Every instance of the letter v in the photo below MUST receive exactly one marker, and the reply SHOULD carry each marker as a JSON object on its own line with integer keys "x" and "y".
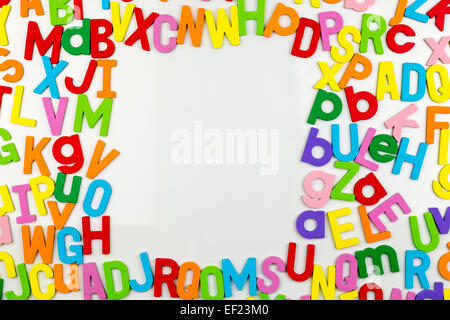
{"x": 55, "y": 120}
{"x": 60, "y": 218}
{"x": 121, "y": 24}
{"x": 442, "y": 222}
{"x": 97, "y": 164}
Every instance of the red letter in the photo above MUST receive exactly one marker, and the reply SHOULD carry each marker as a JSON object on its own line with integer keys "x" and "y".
{"x": 97, "y": 38}
{"x": 290, "y": 263}
{"x": 34, "y": 36}
{"x": 378, "y": 190}
{"x": 89, "y": 235}
{"x": 353, "y": 99}
{"x": 76, "y": 158}
{"x": 170, "y": 278}
{"x": 296, "y": 51}
{"x": 86, "y": 82}
{"x": 392, "y": 43}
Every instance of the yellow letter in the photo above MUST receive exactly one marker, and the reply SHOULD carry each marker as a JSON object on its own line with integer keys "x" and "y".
{"x": 34, "y": 282}
{"x": 386, "y": 81}
{"x": 4, "y": 13}
{"x": 318, "y": 280}
{"x": 442, "y": 94}
{"x": 223, "y": 27}
{"x": 349, "y": 50}
{"x": 38, "y": 195}
{"x": 15, "y": 112}
{"x": 337, "y": 229}
{"x": 120, "y": 25}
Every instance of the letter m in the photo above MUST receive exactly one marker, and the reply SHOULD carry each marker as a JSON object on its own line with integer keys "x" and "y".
{"x": 34, "y": 37}
{"x": 84, "y": 110}
{"x": 376, "y": 255}
{"x": 230, "y": 274}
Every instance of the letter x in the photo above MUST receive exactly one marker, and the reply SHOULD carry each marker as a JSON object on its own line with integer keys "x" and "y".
{"x": 141, "y": 31}
{"x": 50, "y": 79}
{"x": 438, "y": 50}
{"x": 3, "y": 17}
{"x": 328, "y": 76}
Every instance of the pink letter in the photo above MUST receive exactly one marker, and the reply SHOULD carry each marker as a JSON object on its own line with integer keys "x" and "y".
{"x": 270, "y": 274}
{"x": 348, "y": 283}
{"x": 55, "y": 121}
{"x": 386, "y": 207}
{"x": 325, "y": 30}
{"x": 91, "y": 282}
{"x": 157, "y": 33}
{"x": 5, "y": 229}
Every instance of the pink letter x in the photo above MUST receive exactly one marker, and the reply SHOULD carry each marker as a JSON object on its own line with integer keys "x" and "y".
{"x": 438, "y": 50}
